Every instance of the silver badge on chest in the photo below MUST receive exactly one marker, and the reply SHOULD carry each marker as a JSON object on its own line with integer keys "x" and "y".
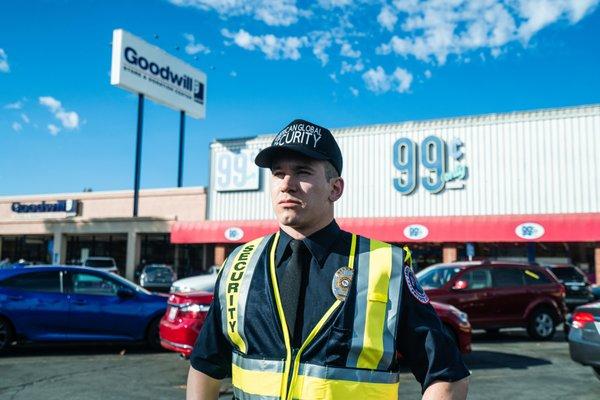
{"x": 340, "y": 285}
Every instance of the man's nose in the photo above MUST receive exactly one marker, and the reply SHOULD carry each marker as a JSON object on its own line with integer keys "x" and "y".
{"x": 287, "y": 183}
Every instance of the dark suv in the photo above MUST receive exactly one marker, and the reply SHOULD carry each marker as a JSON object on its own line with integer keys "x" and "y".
{"x": 499, "y": 294}
{"x": 578, "y": 288}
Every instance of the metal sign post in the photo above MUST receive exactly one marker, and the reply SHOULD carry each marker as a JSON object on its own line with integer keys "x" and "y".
{"x": 138, "y": 154}
{"x": 181, "y": 146}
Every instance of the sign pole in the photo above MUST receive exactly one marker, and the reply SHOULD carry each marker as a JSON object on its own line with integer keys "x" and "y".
{"x": 181, "y": 145}
{"x": 138, "y": 154}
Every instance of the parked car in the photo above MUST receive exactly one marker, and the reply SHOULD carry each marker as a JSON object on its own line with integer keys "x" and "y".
{"x": 74, "y": 304}
{"x": 107, "y": 264}
{"x": 197, "y": 283}
{"x": 578, "y": 288}
{"x": 596, "y": 291}
{"x": 157, "y": 276}
{"x": 457, "y": 324}
{"x": 186, "y": 314}
{"x": 584, "y": 337}
{"x": 499, "y": 295}
{"x": 181, "y": 324}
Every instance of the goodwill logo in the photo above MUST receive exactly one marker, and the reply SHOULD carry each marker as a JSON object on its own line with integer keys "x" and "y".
{"x": 304, "y": 134}
{"x": 163, "y": 76}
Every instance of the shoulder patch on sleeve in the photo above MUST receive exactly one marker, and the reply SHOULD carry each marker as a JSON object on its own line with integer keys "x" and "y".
{"x": 413, "y": 285}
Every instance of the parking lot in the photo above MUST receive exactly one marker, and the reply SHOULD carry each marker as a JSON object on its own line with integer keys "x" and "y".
{"x": 508, "y": 366}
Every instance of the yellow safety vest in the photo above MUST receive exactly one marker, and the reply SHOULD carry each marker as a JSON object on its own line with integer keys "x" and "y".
{"x": 370, "y": 370}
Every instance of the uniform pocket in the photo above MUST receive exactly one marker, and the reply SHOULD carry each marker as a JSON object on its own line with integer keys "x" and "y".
{"x": 338, "y": 346}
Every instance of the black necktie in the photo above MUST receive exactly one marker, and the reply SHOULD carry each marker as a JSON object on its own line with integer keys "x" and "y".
{"x": 289, "y": 290}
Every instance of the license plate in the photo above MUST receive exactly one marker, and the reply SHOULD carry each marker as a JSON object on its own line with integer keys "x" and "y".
{"x": 597, "y": 327}
{"x": 574, "y": 288}
{"x": 172, "y": 314}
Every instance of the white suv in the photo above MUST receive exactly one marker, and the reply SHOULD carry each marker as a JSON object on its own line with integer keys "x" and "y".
{"x": 107, "y": 264}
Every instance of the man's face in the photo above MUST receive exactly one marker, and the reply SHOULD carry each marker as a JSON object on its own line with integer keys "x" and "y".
{"x": 300, "y": 193}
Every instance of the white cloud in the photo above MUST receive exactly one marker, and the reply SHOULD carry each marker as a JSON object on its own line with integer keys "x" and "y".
{"x": 17, "y": 105}
{"x": 349, "y": 68}
{"x": 354, "y": 91}
{"x": 333, "y": 77}
{"x": 233, "y": 74}
{"x": 4, "y": 67}
{"x": 403, "y": 80}
{"x": 193, "y": 47}
{"x": 387, "y": 18}
{"x": 329, "y": 4}
{"x": 25, "y": 118}
{"x": 432, "y": 30}
{"x": 53, "y": 129}
{"x": 271, "y": 12}
{"x": 68, "y": 119}
{"x": 17, "y": 127}
{"x": 273, "y": 47}
{"x": 427, "y": 74}
{"x": 321, "y": 41}
{"x": 378, "y": 81}
{"x": 347, "y": 51}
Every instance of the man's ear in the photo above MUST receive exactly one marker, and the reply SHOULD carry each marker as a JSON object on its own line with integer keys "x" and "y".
{"x": 337, "y": 189}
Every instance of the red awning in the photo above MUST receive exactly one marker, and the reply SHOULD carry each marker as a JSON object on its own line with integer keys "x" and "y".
{"x": 512, "y": 228}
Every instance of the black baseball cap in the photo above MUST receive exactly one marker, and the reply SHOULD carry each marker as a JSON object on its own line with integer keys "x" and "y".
{"x": 304, "y": 138}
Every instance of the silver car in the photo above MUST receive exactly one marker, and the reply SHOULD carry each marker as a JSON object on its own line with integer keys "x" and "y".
{"x": 157, "y": 276}
{"x": 584, "y": 336}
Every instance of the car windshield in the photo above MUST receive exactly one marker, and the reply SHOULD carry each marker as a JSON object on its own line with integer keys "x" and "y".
{"x": 436, "y": 277}
{"x": 157, "y": 268}
{"x": 130, "y": 284}
{"x": 99, "y": 263}
{"x": 567, "y": 274}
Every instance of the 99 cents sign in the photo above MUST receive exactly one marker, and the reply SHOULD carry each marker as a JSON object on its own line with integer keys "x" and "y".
{"x": 236, "y": 171}
{"x": 434, "y": 157}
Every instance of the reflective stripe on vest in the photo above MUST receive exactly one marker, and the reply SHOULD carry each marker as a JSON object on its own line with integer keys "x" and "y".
{"x": 376, "y": 311}
{"x": 234, "y": 288}
{"x": 260, "y": 379}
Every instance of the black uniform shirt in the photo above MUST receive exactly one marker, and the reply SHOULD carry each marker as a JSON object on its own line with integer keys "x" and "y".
{"x": 430, "y": 353}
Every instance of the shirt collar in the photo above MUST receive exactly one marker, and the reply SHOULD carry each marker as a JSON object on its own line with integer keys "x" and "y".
{"x": 318, "y": 243}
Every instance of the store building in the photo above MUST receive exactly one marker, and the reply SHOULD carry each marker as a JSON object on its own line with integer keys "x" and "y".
{"x": 517, "y": 186}
{"x": 67, "y": 228}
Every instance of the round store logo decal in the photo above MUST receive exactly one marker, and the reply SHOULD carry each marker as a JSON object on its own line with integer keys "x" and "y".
{"x": 416, "y": 231}
{"x": 530, "y": 230}
{"x": 234, "y": 233}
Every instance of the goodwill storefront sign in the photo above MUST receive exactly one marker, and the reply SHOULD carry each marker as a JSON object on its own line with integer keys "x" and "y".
{"x": 140, "y": 67}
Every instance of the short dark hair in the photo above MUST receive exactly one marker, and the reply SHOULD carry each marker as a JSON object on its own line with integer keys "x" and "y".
{"x": 330, "y": 171}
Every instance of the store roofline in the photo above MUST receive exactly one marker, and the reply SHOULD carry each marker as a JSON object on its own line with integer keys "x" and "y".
{"x": 105, "y": 194}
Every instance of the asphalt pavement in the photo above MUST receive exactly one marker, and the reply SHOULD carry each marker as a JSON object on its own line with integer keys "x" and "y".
{"x": 508, "y": 366}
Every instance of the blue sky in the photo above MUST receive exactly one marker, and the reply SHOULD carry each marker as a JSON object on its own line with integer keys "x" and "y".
{"x": 338, "y": 63}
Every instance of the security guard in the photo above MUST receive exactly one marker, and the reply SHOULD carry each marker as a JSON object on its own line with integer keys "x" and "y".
{"x": 314, "y": 312}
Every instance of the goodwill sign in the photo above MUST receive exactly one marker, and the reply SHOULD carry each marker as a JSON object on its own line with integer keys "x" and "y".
{"x": 140, "y": 67}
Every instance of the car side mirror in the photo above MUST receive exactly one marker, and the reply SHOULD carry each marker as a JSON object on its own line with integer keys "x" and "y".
{"x": 460, "y": 285}
{"x": 125, "y": 293}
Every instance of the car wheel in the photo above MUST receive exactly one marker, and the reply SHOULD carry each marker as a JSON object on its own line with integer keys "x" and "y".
{"x": 152, "y": 336}
{"x": 6, "y": 334}
{"x": 542, "y": 324}
{"x": 596, "y": 372}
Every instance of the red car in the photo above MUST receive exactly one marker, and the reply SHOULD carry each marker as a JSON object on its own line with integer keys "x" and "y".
{"x": 499, "y": 294}
{"x": 186, "y": 313}
{"x": 180, "y": 325}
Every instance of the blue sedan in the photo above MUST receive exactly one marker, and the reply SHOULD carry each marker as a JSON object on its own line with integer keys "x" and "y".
{"x": 67, "y": 304}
